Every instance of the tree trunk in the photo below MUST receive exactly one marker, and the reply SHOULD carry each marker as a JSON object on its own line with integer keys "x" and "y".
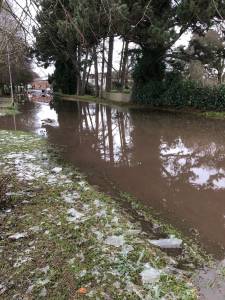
{"x": 110, "y": 134}
{"x": 121, "y": 61}
{"x": 110, "y": 64}
{"x": 89, "y": 69}
{"x": 103, "y": 68}
{"x": 78, "y": 71}
{"x": 83, "y": 85}
{"x": 220, "y": 74}
{"x": 95, "y": 58}
{"x": 219, "y": 77}
{"x": 124, "y": 65}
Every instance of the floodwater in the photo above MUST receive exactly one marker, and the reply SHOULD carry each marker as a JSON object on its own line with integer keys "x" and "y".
{"x": 172, "y": 162}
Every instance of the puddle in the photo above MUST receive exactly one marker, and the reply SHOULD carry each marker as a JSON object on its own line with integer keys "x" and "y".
{"x": 173, "y": 163}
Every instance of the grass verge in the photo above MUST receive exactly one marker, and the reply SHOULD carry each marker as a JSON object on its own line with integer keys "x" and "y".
{"x": 9, "y": 110}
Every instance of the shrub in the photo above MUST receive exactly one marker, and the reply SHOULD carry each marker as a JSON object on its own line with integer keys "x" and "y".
{"x": 182, "y": 93}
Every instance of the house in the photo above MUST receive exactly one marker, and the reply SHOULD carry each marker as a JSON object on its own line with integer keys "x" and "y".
{"x": 40, "y": 84}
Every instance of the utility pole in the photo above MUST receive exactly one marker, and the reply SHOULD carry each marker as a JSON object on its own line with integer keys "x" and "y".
{"x": 10, "y": 75}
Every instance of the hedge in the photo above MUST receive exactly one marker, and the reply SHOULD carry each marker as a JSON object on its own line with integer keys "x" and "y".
{"x": 182, "y": 94}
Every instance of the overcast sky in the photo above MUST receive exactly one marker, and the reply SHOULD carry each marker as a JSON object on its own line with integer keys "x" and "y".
{"x": 117, "y": 48}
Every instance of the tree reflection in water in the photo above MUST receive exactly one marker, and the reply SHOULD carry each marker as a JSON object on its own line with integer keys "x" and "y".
{"x": 196, "y": 163}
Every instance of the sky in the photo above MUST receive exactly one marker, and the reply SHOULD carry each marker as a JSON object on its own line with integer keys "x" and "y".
{"x": 28, "y": 23}
{"x": 43, "y": 73}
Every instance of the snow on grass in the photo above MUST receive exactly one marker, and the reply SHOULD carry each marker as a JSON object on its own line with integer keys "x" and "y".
{"x": 149, "y": 274}
{"x": 170, "y": 243}
{"x": 116, "y": 241}
{"x": 70, "y": 238}
{"x": 18, "y": 236}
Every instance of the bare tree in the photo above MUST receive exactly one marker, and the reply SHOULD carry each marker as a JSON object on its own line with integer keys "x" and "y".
{"x": 110, "y": 64}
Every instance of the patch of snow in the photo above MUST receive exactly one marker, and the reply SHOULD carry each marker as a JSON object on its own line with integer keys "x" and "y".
{"x": 20, "y": 261}
{"x": 43, "y": 292}
{"x": 72, "y": 212}
{"x": 82, "y": 273}
{"x": 3, "y": 288}
{"x": 98, "y": 234}
{"x": 71, "y": 261}
{"x": 116, "y": 284}
{"x": 43, "y": 281}
{"x": 114, "y": 240}
{"x": 133, "y": 231}
{"x": 35, "y": 228}
{"x": 70, "y": 197}
{"x": 149, "y": 274}
{"x": 97, "y": 203}
{"x": 57, "y": 170}
{"x": 18, "y": 236}
{"x": 30, "y": 289}
{"x": 51, "y": 179}
{"x": 82, "y": 183}
{"x": 101, "y": 213}
{"x": 115, "y": 220}
{"x": 127, "y": 249}
{"x": 170, "y": 243}
{"x": 45, "y": 269}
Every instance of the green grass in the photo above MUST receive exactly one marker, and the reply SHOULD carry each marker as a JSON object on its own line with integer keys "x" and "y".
{"x": 89, "y": 98}
{"x": 214, "y": 114}
{"x": 9, "y": 110}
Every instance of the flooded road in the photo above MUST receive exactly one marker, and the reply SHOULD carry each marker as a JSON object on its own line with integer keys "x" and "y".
{"x": 174, "y": 163}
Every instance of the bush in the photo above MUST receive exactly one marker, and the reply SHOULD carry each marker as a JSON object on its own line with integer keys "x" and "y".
{"x": 181, "y": 93}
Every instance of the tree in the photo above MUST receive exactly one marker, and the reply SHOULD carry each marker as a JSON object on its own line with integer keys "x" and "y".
{"x": 209, "y": 50}
{"x": 69, "y": 27}
{"x": 110, "y": 64}
{"x": 15, "y": 62}
{"x": 161, "y": 25}
{"x": 124, "y": 68}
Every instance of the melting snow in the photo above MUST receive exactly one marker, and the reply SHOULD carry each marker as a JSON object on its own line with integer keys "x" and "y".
{"x": 74, "y": 215}
{"x": 127, "y": 249}
{"x": 43, "y": 292}
{"x": 57, "y": 170}
{"x": 35, "y": 228}
{"x": 45, "y": 269}
{"x": 149, "y": 274}
{"x": 70, "y": 197}
{"x": 171, "y": 243}
{"x": 20, "y": 261}
{"x": 43, "y": 282}
{"x": 101, "y": 213}
{"x": 3, "y": 288}
{"x": 115, "y": 240}
{"x": 98, "y": 234}
{"x": 18, "y": 236}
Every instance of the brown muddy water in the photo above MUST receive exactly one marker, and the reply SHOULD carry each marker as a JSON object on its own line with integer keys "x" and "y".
{"x": 172, "y": 162}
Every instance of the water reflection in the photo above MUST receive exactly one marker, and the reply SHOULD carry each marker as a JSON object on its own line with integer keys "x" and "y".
{"x": 195, "y": 163}
{"x": 112, "y": 130}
